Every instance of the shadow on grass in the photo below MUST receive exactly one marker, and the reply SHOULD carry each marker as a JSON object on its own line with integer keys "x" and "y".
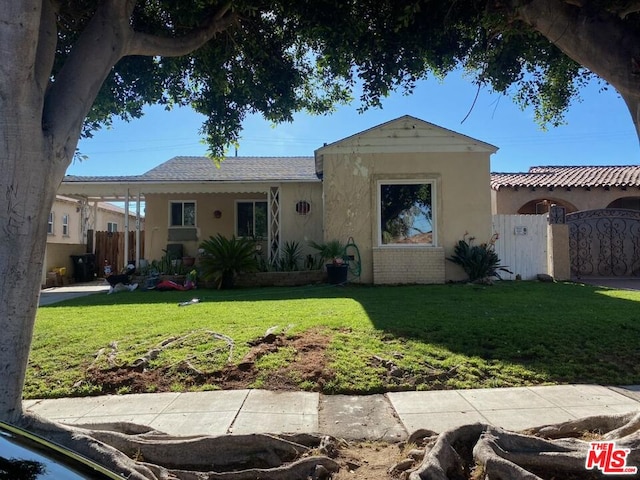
{"x": 563, "y": 332}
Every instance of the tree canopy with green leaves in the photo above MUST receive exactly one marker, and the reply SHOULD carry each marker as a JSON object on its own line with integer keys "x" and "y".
{"x": 276, "y": 58}
{"x": 68, "y": 67}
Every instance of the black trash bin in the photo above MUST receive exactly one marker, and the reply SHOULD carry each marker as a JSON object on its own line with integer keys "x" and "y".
{"x": 84, "y": 267}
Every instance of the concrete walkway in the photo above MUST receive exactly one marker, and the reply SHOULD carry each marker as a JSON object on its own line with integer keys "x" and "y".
{"x": 388, "y": 417}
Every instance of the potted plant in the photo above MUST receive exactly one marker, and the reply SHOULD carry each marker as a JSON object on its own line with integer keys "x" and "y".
{"x": 333, "y": 252}
{"x": 222, "y": 259}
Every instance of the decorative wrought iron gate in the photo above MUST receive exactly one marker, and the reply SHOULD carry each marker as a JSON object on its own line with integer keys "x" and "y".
{"x": 604, "y": 243}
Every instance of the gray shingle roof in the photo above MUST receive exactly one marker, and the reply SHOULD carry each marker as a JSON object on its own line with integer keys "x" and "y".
{"x": 231, "y": 169}
{"x": 101, "y": 178}
{"x": 570, "y": 176}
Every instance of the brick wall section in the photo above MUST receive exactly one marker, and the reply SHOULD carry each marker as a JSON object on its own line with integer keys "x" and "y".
{"x": 408, "y": 265}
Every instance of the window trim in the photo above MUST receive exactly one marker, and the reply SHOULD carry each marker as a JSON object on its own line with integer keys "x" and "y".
{"x": 195, "y": 214}
{"x": 51, "y": 224}
{"x": 65, "y": 225}
{"x": 434, "y": 220}
{"x": 253, "y": 202}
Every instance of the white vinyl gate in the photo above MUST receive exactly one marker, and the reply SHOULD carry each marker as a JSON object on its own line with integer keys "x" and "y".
{"x": 522, "y": 244}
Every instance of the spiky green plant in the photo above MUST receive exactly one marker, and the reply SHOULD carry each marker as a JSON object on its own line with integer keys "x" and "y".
{"x": 224, "y": 258}
{"x": 478, "y": 261}
{"x": 290, "y": 257}
{"x": 331, "y": 250}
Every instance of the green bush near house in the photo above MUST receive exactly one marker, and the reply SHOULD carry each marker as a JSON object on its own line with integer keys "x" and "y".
{"x": 330, "y": 251}
{"x": 290, "y": 259}
{"x": 478, "y": 261}
{"x": 224, "y": 258}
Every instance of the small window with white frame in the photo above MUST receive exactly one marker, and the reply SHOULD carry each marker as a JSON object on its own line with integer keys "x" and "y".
{"x": 112, "y": 227}
{"x": 182, "y": 214}
{"x": 406, "y": 211}
{"x": 65, "y": 225}
{"x": 50, "y": 224}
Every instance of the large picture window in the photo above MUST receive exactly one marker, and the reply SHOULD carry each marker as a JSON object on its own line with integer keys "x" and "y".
{"x": 183, "y": 214}
{"x": 406, "y": 212}
{"x": 251, "y": 219}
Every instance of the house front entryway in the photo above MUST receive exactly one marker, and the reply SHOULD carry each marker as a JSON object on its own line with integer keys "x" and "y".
{"x": 604, "y": 243}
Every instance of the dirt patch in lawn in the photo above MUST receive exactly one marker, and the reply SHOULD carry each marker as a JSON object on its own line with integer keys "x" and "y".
{"x": 309, "y": 365}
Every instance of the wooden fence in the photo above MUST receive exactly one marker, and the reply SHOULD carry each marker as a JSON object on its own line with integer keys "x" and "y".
{"x": 109, "y": 246}
{"x": 522, "y": 244}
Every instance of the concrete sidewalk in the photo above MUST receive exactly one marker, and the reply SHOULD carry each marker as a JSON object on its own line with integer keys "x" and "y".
{"x": 388, "y": 417}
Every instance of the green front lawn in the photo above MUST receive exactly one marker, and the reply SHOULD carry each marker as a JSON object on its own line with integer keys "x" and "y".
{"x": 379, "y": 338}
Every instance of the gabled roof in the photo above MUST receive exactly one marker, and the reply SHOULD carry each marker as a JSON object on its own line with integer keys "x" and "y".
{"x": 408, "y": 134}
{"x": 570, "y": 176}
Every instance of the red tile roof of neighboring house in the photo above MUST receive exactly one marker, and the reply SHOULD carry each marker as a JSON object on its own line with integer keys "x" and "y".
{"x": 576, "y": 176}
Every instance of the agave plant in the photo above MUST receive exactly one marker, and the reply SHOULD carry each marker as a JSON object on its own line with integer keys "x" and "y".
{"x": 290, "y": 258}
{"x": 478, "y": 261}
{"x": 224, "y": 258}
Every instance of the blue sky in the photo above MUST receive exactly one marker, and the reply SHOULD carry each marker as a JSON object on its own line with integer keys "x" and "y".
{"x": 599, "y": 131}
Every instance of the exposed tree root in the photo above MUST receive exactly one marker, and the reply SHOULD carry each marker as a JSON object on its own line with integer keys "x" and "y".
{"x": 469, "y": 452}
{"x": 142, "y": 362}
{"x": 480, "y": 451}
{"x": 146, "y": 454}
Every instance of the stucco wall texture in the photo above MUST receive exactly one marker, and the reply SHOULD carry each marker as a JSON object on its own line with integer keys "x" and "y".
{"x": 462, "y": 204}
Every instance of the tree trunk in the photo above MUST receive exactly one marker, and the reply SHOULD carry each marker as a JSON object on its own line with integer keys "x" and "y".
{"x": 40, "y": 125}
{"x": 28, "y": 184}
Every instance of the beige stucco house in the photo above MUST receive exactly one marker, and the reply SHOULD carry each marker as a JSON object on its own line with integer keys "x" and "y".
{"x": 359, "y": 171}
{"x": 70, "y": 222}
{"x": 404, "y": 192}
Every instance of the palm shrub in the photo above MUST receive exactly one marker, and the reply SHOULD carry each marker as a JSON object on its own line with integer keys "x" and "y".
{"x": 332, "y": 251}
{"x": 478, "y": 261}
{"x": 224, "y": 258}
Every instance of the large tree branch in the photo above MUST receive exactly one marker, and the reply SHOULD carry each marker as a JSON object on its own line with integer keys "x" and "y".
{"x": 600, "y": 41}
{"x": 144, "y": 44}
{"x": 76, "y": 86}
{"x": 47, "y": 40}
{"x": 20, "y": 20}
{"x": 107, "y": 38}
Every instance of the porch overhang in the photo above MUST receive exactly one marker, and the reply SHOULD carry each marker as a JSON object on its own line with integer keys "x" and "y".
{"x": 119, "y": 191}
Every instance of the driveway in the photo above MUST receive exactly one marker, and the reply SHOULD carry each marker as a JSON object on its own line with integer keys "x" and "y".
{"x": 58, "y": 294}
{"x": 622, "y": 283}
